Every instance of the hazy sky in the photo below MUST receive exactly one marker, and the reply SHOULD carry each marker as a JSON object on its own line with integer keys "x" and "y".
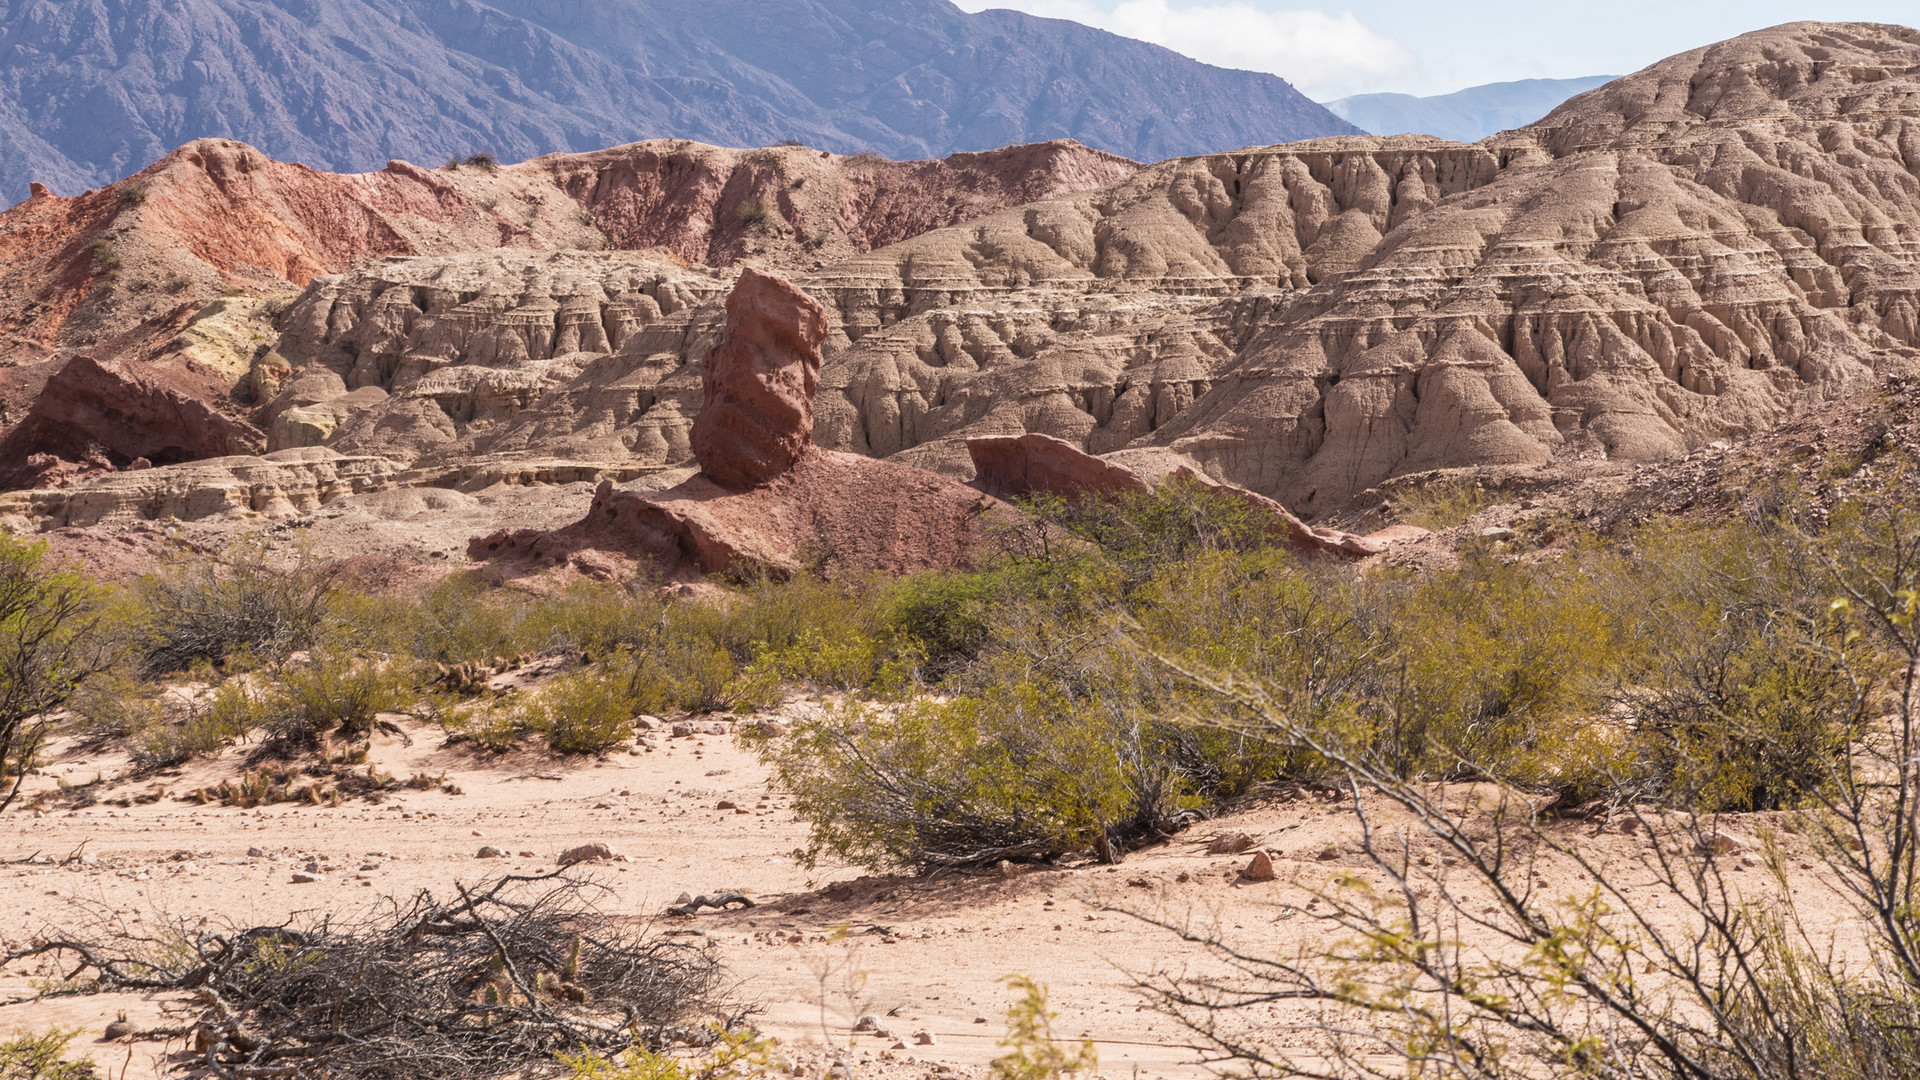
{"x": 1434, "y": 47}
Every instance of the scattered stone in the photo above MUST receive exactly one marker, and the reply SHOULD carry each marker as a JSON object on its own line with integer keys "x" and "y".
{"x": 1721, "y": 842}
{"x": 1230, "y": 844}
{"x": 722, "y": 900}
{"x": 256, "y": 853}
{"x": 648, "y": 723}
{"x": 898, "y": 1045}
{"x": 529, "y": 855}
{"x": 726, "y": 804}
{"x": 925, "y": 1038}
{"x": 305, "y": 877}
{"x": 1328, "y": 853}
{"x": 1497, "y": 532}
{"x": 611, "y": 802}
{"x": 1260, "y": 869}
{"x": 979, "y": 1019}
{"x": 592, "y": 852}
{"x": 488, "y": 851}
{"x": 683, "y": 729}
{"x": 871, "y": 1022}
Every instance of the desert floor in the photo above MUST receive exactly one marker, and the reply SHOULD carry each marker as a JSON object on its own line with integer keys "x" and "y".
{"x": 819, "y": 949}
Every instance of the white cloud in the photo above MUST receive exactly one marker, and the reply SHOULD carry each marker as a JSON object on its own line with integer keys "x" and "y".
{"x": 1325, "y": 55}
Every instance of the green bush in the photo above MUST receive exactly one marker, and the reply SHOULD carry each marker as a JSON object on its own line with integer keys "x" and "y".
{"x": 334, "y": 693}
{"x": 586, "y": 712}
{"x": 42, "y": 1057}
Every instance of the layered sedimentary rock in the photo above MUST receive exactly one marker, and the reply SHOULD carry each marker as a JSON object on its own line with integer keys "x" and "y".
{"x": 1691, "y": 253}
{"x": 766, "y": 498}
{"x": 246, "y": 489}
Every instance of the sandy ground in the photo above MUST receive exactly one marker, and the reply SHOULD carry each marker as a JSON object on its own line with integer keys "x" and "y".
{"x": 817, "y": 951}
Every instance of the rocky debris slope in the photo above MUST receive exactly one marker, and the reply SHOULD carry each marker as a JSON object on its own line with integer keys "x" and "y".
{"x": 94, "y": 88}
{"x": 766, "y": 498}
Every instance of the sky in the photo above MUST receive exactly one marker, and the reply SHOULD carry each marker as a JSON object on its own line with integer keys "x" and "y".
{"x": 1435, "y": 47}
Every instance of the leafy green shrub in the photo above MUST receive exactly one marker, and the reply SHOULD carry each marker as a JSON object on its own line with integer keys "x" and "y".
{"x": 1033, "y": 1053}
{"x": 42, "y": 1057}
{"x": 334, "y": 693}
{"x": 229, "y": 713}
{"x": 52, "y": 640}
{"x": 1020, "y": 776}
{"x": 586, "y": 712}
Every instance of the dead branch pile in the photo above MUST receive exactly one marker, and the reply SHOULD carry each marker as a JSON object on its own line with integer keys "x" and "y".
{"x": 490, "y": 983}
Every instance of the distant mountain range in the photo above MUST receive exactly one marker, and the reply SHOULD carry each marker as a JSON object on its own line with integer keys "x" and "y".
{"x": 92, "y": 90}
{"x": 1465, "y": 116}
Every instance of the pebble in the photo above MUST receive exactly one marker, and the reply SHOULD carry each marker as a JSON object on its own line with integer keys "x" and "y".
{"x": 490, "y": 852}
{"x": 304, "y": 877}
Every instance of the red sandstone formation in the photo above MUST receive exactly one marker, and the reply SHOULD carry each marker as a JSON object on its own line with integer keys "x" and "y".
{"x": 756, "y": 418}
{"x": 116, "y": 413}
{"x": 766, "y": 498}
{"x": 1012, "y": 466}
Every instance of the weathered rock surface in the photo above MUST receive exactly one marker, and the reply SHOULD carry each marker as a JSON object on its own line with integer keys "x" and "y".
{"x": 137, "y": 271}
{"x": 1691, "y": 253}
{"x": 765, "y": 497}
{"x": 756, "y": 419}
{"x": 1009, "y": 467}
{"x": 280, "y": 485}
{"x": 118, "y": 412}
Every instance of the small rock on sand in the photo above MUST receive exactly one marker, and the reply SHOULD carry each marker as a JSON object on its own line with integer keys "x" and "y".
{"x": 490, "y": 852}
{"x": 586, "y": 853}
{"x": 1260, "y": 869}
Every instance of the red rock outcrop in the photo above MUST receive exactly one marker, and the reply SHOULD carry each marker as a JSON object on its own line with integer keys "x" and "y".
{"x": 766, "y": 498}
{"x": 756, "y": 419}
{"x": 118, "y": 412}
{"x": 1009, "y": 467}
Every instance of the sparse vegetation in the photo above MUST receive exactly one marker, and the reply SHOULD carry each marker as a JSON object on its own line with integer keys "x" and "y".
{"x": 1441, "y": 502}
{"x": 751, "y": 211}
{"x": 43, "y": 1057}
{"x": 133, "y": 195}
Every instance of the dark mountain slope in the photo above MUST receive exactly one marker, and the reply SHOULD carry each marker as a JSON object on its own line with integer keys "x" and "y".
{"x": 95, "y": 89}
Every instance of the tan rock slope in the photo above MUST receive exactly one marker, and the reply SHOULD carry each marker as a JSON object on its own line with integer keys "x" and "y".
{"x": 1692, "y": 253}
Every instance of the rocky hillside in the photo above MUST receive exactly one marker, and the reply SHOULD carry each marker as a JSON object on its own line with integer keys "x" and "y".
{"x": 1696, "y": 252}
{"x": 95, "y": 89}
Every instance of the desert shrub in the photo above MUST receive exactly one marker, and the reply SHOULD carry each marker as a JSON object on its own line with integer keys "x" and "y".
{"x": 1440, "y": 503}
{"x": 460, "y": 620}
{"x": 587, "y": 712}
{"x": 103, "y": 256}
{"x": 200, "y": 727}
{"x": 213, "y": 609}
{"x": 43, "y": 1057}
{"x": 177, "y": 283}
{"x": 592, "y": 617}
{"x": 133, "y": 195}
{"x": 943, "y": 618}
{"x": 1033, "y": 1051}
{"x": 1022, "y": 775}
{"x": 334, "y": 692}
{"x": 482, "y": 160}
{"x": 751, "y": 211}
{"x": 52, "y": 640}
{"x": 495, "y": 980}
{"x": 494, "y": 725}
